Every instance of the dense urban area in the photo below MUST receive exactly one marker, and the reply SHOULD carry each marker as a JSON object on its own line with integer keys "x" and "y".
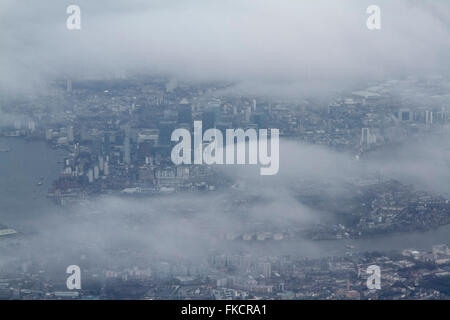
{"x": 115, "y": 137}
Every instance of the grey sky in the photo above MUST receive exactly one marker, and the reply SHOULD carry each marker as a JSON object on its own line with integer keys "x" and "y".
{"x": 265, "y": 41}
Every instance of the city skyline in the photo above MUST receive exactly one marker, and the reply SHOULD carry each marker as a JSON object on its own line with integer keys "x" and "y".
{"x": 244, "y": 150}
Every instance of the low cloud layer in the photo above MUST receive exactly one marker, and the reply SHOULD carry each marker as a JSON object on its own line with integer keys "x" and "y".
{"x": 192, "y": 226}
{"x": 245, "y": 41}
{"x": 263, "y": 45}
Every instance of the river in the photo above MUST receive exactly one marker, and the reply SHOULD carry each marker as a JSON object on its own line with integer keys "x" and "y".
{"x": 23, "y": 204}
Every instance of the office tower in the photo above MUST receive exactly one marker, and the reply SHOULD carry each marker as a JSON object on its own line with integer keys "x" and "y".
{"x": 405, "y": 115}
{"x": 127, "y": 150}
{"x": 267, "y": 270}
{"x": 76, "y": 149}
{"x": 31, "y": 125}
{"x": 70, "y": 134}
{"x": 101, "y": 163}
{"x": 217, "y": 114}
{"x": 69, "y": 85}
{"x": 444, "y": 113}
{"x": 247, "y": 114}
{"x": 90, "y": 175}
{"x": 428, "y": 117}
{"x": 367, "y": 139}
{"x": 48, "y": 134}
{"x": 96, "y": 172}
{"x": 97, "y": 146}
{"x": 107, "y": 143}
{"x": 106, "y": 168}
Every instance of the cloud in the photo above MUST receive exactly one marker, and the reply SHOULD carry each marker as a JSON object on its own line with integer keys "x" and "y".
{"x": 424, "y": 163}
{"x": 192, "y": 226}
{"x": 246, "y": 40}
{"x": 265, "y": 45}
{"x": 184, "y": 225}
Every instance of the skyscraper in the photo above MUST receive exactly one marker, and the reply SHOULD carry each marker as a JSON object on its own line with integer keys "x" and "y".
{"x": 428, "y": 117}
{"x": 367, "y": 139}
{"x": 127, "y": 149}
{"x": 96, "y": 172}
{"x": 31, "y": 125}
{"x": 70, "y": 134}
{"x": 90, "y": 175}
{"x": 106, "y": 169}
{"x": 107, "y": 143}
{"x": 48, "y": 134}
{"x": 267, "y": 270}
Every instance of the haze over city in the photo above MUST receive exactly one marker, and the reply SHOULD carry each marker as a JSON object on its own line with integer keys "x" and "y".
{"x": 87, "y": 120}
